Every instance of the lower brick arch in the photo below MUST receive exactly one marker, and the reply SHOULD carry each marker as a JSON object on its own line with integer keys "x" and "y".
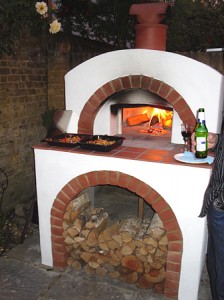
{"x": 93, "y": 104}
{"x": 73, "y": 188}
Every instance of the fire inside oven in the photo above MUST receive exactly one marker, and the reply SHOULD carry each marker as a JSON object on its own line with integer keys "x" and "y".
{"x": 147, "y": 120}
{"x": 140, "y": 112}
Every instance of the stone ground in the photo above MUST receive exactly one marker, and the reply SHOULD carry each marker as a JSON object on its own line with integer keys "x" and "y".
{"x": 23, "y": 277}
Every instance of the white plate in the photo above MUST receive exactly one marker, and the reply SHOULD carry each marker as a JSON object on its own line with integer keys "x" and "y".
{"x": 189, "y": 158}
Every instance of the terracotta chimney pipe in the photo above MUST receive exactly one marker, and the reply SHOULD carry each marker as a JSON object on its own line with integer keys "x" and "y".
{"x": 150, "y": 34}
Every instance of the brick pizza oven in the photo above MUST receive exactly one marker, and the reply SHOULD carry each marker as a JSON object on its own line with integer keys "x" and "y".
{"x": 61, "y": 174}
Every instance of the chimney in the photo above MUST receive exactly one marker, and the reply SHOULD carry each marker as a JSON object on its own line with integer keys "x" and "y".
{"x": 150, "y": 33}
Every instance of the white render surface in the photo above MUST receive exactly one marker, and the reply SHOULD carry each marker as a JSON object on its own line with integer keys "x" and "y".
{"x": 177, "y": 184}
{"x": 199, "y": 84}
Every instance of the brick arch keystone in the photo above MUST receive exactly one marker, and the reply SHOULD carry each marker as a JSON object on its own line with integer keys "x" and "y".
{"x": 72, "y": 189}
{"x": 92, "y": 106}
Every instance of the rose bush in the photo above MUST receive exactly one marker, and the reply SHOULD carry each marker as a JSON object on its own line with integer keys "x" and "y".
{"x": 42, "y": 9}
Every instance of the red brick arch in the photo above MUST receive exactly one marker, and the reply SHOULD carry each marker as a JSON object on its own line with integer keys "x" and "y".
{"x": 72, "y": 189}
{"x": 92, "y": 106}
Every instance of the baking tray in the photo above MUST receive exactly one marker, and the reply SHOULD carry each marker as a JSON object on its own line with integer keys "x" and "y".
{"x": 66, "y": 139}
{"x": 103, "y": 143}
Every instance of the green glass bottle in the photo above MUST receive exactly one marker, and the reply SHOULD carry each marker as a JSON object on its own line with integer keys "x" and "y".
{"x": 201, "y": 134}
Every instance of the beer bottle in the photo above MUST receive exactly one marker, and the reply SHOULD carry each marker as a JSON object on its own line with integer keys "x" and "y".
{"x": 201, "y": 134}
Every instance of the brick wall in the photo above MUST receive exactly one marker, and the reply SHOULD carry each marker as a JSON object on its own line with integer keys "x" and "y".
{"x": 23, "y": 98}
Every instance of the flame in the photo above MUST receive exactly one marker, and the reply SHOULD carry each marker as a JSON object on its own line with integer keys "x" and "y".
{"x": 164, "y": 116}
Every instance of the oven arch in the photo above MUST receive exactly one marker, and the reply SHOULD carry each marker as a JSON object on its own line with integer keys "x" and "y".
{"x": 143, "y": 190}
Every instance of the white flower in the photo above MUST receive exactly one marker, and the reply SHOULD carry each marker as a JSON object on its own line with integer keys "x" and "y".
{"x": 55, "y": 27}
{"x": 41, "y": 8}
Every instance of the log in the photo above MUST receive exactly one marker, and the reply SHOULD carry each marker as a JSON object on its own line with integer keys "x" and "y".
{"x": 92, "y": 239}
{"x": 117, "y": 238}
{"x": 76, "y": 206}
{"x": 127, "y": 275}
{"x": 127, "y": 248}
{"x": 144, "y": 282}
{"x": 77, "y": 265}
{"x": 114, "y": 274}
{"x": 133, "y": 263}
{"x": 129, "y": 229}
{"x": 112, "y": 245}
{"x": 156, "y": 228}
{"x": 97, "y": 220}
{"x": 86, "y": 256}
{"x": 101, "y": 271}
{"x": 89, "y": 270}
{"x": 107, "y": 234}
{"x": 138, "y": 119}
{"x": 156, "y": 276}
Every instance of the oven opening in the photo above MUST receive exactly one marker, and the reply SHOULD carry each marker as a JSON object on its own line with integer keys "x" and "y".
{"x": 148, "y": 120}
{"x": 139, "y": 113}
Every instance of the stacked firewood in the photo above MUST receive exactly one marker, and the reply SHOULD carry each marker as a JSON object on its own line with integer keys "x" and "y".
{"x": 130, "y": 250}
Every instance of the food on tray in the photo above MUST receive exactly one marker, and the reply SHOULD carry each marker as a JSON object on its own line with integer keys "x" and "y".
{"x": 100, "y": 141}
{"x": 70, "y": 139}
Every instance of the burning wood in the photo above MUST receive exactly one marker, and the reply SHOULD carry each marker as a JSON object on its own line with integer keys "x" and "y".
{"x": 137, "y": 120}
{"x": 133, "y": 251}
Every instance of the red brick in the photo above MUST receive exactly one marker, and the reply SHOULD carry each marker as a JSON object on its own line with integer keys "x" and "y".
{"x": 154, "y": 87}
{"x": 69, "y": 192}
{"x": 124, "y": 180}
{"x": 166, "y": 215}
{"x": 59, "y": 248}
{"x": 180, "y": 104}
{"x": 135, "y": 81}
{"x": 103, "y": 177}
{"x": 56, "y": 221}
{"x": 76, "y": 187}
{"x": 61, "y": 266}
{"x": 174, "y": 235}
{"x": 83, "y": 180}
{"x": 173, "y": 96}
{"x": 57, "y": 213}
{"x": 171, "y": 293}
{"x": 171, "y": 225}
{"x": 143, "y": 190}
{"x": 126, "y": 83}
{"x": 55, "y": 239}
{"x": 56, "y": 230}
{"x": 171, "y": 285}
{"x": 172, "y": 266}
{"x": 108, "y": 90}
{"x": 94, "y": 101}
{"x": 145, "y": 83}
{"x": 174, "y": 257}
{"x": 159, "y": 205}
{"x": 92, "y": 178}
{"x": 100, "y": 93}
{"x": 164, "y": 90}
{"x": 176, "y": 246}
{"x": 117, "y": 85}
{"x": 113, "y": 177}
{"x": 89, "y": 108}
{"x": 133, "y": 184}
{"x": 59, "y": 205}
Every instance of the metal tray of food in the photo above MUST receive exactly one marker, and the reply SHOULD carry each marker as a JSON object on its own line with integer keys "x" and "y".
{"x": 103, "y": 143}
{"x": 66, "y": 139}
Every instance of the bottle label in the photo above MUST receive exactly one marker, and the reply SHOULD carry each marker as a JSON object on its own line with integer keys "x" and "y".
{"x": 201, "y": 144}
{"x": 201, "y": 117}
